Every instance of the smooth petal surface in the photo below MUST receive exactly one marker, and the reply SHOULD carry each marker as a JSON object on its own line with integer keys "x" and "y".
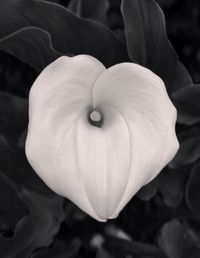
{"x": 99, "y": 168}
{"x": 141, "y": 98}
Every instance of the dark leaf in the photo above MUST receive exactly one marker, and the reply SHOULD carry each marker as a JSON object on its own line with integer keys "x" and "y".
{"x": 13, "y": 115}
{"x": 115, "y": 19}
{"x": 148, "y": 191}
{"x": 167, "y": 3}
{"x": 193, "y": 190}
{"x": 75, "y": 7}
{"x": 35, "y": 230}
{"x": 178, "y": 241}
{"x": 148, "y": 44}
{"x": 32, "y": 46}
{"x": 13, "y": 162}
{"x": 114, "y": 231}
{"x": 170, "y": 184}
{"x": 188, "y": 152}
{"x": 101, "y": 253}
{"x": 90, "y": 9}
{"x": 70, "y": 34}
{"x": 16, "y": 77}
{"x": 187, "y": 102}
{"x": 73, "y": 214}
{"x": 12, "y": 208}
{"x": 59, "y": 249}
{"x": 14, "y": 165}
{"x": 134, "y": 248}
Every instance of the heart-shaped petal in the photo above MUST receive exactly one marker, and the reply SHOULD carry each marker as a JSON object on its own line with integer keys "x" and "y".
{"x": 96, "y": 136}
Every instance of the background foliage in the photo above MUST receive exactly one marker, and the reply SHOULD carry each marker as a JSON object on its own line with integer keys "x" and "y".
{"x": 163, "y": 220}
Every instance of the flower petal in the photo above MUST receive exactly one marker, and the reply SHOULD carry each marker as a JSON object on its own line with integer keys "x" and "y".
{"x": 99, "y": 168}
{"x": 57, "y": 99}
{"x": 104, "y": 162}
{"x": 141, "y": 98}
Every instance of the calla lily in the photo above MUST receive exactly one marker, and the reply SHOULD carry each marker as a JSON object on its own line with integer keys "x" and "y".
{"x": 97, "y": 135}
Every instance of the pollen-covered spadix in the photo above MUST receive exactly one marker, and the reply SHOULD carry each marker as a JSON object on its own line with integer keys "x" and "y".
{"x": 97, "y": 135}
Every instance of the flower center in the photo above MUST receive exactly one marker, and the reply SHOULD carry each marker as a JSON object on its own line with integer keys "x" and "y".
{"x": 95, "y": 118}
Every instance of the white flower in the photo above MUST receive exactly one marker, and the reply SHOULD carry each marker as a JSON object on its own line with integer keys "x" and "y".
{"x": 97, "y": 135}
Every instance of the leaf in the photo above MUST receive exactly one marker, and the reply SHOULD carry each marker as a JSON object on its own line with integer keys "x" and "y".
{"x": 167, "y": 3}
{"x": 16, "y": 76}
{"x": 13, "y": 115}
{"x": 13, "y": 162}
{"x": 14, "y": 165}
{"x": 89, "y": 9}
{"x": 134, "y": 248}
{"x": 170, "y": 184}
{"x": 59, "y": 249}
{"x": 188, "y": 153}
{"x": 115, "y": 19}
{"x": 70, "y": 34}
{"x": 12, "y": 208}
{"x": 101, "y": 253}
{"x": 148, "y": 44}
{"x": 193, "y": 190}
{"x": 187, "y": 104}
{"x": 32, "y": 46}
{"x": 178, "y": 241}
{"x": 112, "y": 230}
{"x": 35, "y": 230}
{"x": 148, "y": 191}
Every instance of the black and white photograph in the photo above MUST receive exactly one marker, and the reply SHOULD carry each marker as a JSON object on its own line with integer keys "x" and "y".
{"x": 99, "y": 129}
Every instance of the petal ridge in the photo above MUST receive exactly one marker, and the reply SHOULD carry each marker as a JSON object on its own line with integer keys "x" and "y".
{"x": 131, "y": 158}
